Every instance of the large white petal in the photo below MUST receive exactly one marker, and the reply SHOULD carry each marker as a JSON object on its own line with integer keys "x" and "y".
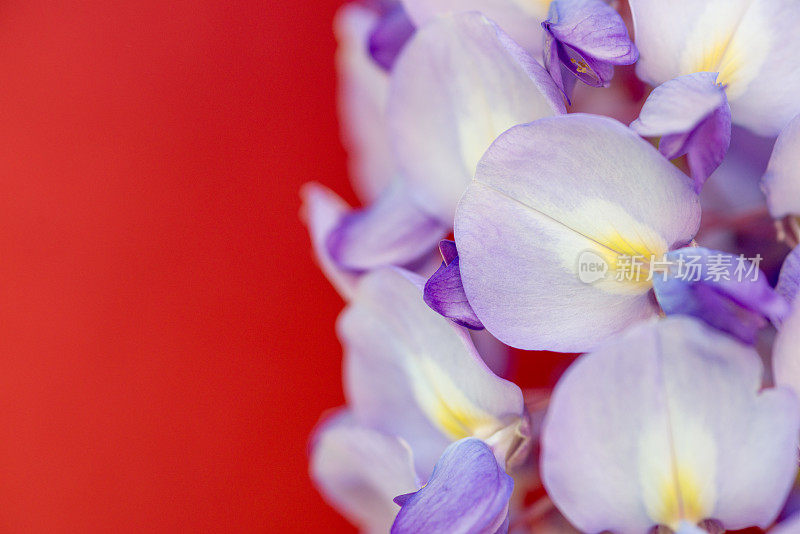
{"x": 458, "y": 84}
{"x": 666, "y": 424}
{"x": 548, "y": 197}
{"x": 412, "y": 372}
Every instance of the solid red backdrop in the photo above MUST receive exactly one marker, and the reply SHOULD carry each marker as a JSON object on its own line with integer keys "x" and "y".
{"x": 166, "y": 343}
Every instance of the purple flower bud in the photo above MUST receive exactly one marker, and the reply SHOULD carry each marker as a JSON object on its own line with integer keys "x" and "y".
{"x": 585, "y": 38}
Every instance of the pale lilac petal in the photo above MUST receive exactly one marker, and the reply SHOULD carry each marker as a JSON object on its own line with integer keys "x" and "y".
{"x": 751, "y": 44}
{"x": 781, "y": 182}
{"x": 789, "y": 280}
{"x": 392, "y": 231}
{"x": 725, "y": 291}
{"x": 322, "y": 211}
{"x": 359, "y": 471}
{"x": 679, "y": 105}
{"x": 692, "y": 116}
{"x": 362, "y": 93}
{"x": 444, "y": 292}
{"x": 667, "y": 424}
{"x": 547, "y": 194}
{"x": 411, "y": 372}
{"x": 467, "y": 493}
{"x": 389, "y": 36}
{"x": 786, "y": 352}
{"x": 593, "y": 29}
{"x": 458, "y": 84}
{"x": 519, "y": 18}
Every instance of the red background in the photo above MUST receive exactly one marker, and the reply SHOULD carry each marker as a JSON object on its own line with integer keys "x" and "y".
{"x": 166, "y": 343}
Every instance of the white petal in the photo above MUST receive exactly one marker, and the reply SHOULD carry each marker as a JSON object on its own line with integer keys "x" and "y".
{"x": 412, "y": 372}
{"x": 666, "y": 425}
{"x": 360, "y": 470}
{"x": 457, "y": 85}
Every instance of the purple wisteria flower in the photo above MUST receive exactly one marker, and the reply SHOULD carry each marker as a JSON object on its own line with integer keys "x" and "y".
{"x": 692, "y": 117}
{"x": 414, "y": 384}
{"x": 584, "y": 39}
{"x": 572, "y": 233}
{"x": 667, "y": 425}
{"x": 751, "y": 44}
{"x": 552, "y": 198}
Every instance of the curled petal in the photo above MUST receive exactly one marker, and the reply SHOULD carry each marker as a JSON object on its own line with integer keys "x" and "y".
{"x": 411, "y": 372}
{"x": 359, "y": 471}
{"x": 781, "y": 182}
{"x": 692, "y": 116}
{"x": 554, "y": 206}
{"x": 458, "y": 84}
{"x": 668, "y": 424}
{"x": 444, "y": 292}
{"x": 468, "y": 492}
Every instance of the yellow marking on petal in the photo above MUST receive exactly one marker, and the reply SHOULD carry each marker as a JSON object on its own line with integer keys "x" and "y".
{"x": 629, "y": 258}
{"x": 681, "y": 500}
{"x": 722, "y": 57}
{"x": 446, "y": 405}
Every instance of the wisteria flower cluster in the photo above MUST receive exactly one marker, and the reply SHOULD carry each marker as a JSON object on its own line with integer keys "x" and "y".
{"x": 519, "y": 197}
